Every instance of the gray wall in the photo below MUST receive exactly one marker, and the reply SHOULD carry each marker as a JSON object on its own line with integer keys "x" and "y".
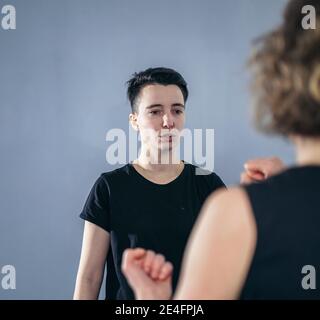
{"x": 62, "y": 87}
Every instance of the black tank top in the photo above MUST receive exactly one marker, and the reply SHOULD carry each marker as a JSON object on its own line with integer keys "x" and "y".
{"x": 286, "y": 262}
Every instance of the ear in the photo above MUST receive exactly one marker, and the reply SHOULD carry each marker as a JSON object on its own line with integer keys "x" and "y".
{"x": 133, "y": 121}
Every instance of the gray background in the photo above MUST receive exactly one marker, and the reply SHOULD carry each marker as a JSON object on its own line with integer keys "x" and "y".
{"x": 62, "y": 86}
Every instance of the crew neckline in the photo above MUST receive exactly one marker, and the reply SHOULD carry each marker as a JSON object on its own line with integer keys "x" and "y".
{"x": 145, "y": 180}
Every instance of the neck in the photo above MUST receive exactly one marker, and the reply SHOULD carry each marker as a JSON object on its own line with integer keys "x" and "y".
{"x": 307, "y": 151}
{"x": 158, "y": 160}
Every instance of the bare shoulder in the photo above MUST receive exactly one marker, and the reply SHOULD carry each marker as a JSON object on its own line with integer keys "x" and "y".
{"x": 230, "y": 207}
{"x": 229, "y": 198}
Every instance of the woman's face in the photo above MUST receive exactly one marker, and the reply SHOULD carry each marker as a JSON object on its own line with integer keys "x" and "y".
{"x": 160, "y": 117}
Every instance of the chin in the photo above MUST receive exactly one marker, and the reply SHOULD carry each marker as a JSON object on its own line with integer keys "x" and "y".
{"x": 167, "y": 148}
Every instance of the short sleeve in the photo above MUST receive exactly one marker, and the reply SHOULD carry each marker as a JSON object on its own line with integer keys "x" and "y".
{"x": 96, "y": 208}
{"x": 217, "y": 182}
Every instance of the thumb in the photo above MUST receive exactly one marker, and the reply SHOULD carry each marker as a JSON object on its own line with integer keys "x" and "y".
{"x": 253, "y": 165}
{"x": 256, "y": 175}
{"x": 255, "y": 168}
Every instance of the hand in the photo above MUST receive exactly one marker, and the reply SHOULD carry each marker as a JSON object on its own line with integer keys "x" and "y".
{"x": 148, "y": 274}
{"x": 260, "y": 169}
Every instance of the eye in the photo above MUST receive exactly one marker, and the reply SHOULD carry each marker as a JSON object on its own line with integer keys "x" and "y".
{"x": 154, "y": 112}
{"x": 178, "y": 111}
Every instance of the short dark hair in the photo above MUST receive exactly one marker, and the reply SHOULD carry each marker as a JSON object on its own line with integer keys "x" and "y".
{"x": 286, "y": 78}
{"x": 163, "y": 76}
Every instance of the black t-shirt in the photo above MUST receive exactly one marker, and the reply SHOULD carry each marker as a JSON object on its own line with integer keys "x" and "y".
{"x": 286, "y": 209}
{"x": 139, "y": 213}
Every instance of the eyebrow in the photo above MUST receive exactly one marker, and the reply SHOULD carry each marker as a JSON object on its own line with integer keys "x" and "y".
{"x": 161, "y": 106}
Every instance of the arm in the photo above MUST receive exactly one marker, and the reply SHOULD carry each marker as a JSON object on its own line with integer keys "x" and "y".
{"x": 220, "y": 249}
{"x": 95, "y": 246}
{"x": 218, "y": 254}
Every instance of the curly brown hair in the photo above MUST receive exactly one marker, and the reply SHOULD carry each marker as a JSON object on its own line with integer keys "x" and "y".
{"x": 286, "y": 75}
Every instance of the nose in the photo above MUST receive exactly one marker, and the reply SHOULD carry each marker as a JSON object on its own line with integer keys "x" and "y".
{"x": 168, "y": 121}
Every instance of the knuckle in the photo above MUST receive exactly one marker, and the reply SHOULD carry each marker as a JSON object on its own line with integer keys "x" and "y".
{"x": 150, "y": 253}
{"x": 160, "y": 257}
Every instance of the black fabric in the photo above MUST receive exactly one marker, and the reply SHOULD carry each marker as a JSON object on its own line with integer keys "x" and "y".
{"x": 139, "y": 213}
{"x": 287, "y": 213}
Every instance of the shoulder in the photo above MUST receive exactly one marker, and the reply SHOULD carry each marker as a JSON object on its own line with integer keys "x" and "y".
{"x": 260, "y": 192}
{"x": 115, "y": 174}
{"x": 232, "y": 208}
{"x": 222, "y": 197}
{"x": 205, "y": 176}
{"x": 109, "y": 179}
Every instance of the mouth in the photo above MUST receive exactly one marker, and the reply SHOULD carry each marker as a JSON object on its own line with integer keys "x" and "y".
{"x": 167, "y": 139}
{"x": 167, "y": 136}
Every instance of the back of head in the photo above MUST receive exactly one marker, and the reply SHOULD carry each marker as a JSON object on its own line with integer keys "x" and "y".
{"x": 286, "y": 68}
{"x": 162, "y": 76}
